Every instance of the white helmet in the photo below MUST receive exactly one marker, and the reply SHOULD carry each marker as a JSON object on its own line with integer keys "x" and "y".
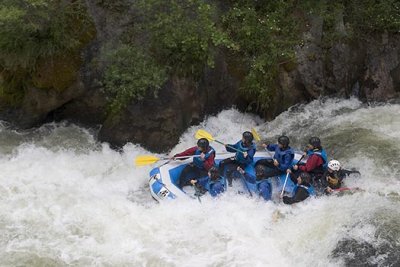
{"x": 334, "y": 165}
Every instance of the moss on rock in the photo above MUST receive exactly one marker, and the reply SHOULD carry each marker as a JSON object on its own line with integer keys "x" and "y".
{"x": 9, "y": 97}
{"x": 57, "y": 72}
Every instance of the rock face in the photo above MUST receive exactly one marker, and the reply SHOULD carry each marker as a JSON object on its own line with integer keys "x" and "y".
{"x": 369, "y": 69}
{"x": 157, "y": 123}
{"x": 381, "y": 78}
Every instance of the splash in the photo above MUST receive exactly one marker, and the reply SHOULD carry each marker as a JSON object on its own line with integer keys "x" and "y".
{"x": 67, "y": 200}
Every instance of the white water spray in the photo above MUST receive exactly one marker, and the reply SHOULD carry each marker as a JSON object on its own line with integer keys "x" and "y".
{"x": 67, "y": 200}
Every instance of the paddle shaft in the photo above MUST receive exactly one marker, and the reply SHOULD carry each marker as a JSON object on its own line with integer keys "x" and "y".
{"x": 269, "y": 152}
{"x": 208, "y": 136}
{"x": 197, "y": 193}
{"x": 300, "y": 159}
{"x": 287, "y": 176}
{"x": 147, "y": 160}
{"x": 238, "y": 150}
{"x": 245, "y": 183}
{"x": 183, "y": 157}
{"x": 258, "y": 139}
{"x": 284, "y": 184}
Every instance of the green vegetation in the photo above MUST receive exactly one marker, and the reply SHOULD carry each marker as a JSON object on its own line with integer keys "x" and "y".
{"x": 178, "y": 38}
{"x": 33, "y": 31}
{"x": 361, "y": 18}
{"x": 132, "y": 74}
{"x": 183, "y": 33}
{"x": 174, "y": 38}
{"x": 368, "y": 16}
{"x": 266, "y": 35}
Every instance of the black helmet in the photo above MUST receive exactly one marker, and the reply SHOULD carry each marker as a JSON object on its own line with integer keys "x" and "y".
{"x": 315, "y": 142}
{"x": 305, "y": 177}
{"x": 214, "y": 173}
{"x": 248, "y": 137}
{"x": 260, "y": 171}
{"x": 203, "y": 143}
{"x": 284, "y": 140}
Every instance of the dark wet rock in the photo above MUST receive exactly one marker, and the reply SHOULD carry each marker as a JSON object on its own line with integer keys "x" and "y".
{"x": 367, "y": 68}
{"x": 381, "y": 80}
{"x": 310, "y": 59}
{"x": 157, "y": 123}
{"x": 361, "y": 253}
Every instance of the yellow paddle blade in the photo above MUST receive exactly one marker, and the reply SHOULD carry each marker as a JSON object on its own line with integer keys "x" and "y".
{"x": 255, "y": 134}
{"x": 145, "y": 160}
{"x": 203, "y": 134}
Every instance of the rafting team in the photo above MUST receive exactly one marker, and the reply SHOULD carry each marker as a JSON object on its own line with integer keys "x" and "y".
{"x": 316, "y": 175}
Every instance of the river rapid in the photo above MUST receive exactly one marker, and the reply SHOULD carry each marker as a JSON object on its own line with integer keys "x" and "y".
{"x": 67, "y": 200}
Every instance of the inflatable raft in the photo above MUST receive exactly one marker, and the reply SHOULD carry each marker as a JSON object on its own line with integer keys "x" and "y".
{"x": 164, "y": 179}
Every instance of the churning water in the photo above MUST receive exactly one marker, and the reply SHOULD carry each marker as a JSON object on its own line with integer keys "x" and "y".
{"x": 66, "y": 200}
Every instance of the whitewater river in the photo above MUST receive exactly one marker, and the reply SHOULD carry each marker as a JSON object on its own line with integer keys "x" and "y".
{"x": 67, "y": 200}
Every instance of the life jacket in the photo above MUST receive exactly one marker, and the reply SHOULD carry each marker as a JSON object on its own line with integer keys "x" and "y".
{"x": 280, "y": 154}
{"x": 332, "y": 180}
{"x": 239, "y": 155}
{"x": 197, "y": 160}
{"x": 310, "y": 189}
{"x": 320, "y": 169}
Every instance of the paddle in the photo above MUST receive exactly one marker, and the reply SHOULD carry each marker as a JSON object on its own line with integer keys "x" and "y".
{"x": 255, "y": 135}
{"x": 150, "y": 159}
{"x": 197, "y": 193}
{"x": 204, "y": 134}
{"x": 245, "y": 183}
{"x": 242, "y": 172}
{"x": 287, "y": 175}
{"x": 258, "y": 139}
{"x": 284, "y": 184}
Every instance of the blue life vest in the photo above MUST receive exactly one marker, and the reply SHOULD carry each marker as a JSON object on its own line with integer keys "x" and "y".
{"x": 239, "y": 155}
{"x": 280, "y": 155}
{"x": 197, "y": 160}
{"x": 310, "y": 189}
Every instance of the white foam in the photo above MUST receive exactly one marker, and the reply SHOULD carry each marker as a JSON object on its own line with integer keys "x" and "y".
{"x": 64, "y": 199}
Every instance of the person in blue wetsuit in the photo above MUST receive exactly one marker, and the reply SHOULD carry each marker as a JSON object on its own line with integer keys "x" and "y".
{"x": 262, "y": 182}
{"x": 282, "y": 160}
{"x": 200, "y": 165}
{"x": 213, "y": 183}
{"x": 302, "y": 190}
{"x": 245, "y": 150}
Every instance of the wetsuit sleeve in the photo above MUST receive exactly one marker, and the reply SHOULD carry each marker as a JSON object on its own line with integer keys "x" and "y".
{"x": 271, "y": 147}
{"x": 187, "y": 152}
{"x": 230, "y": 149}
{"x": 301, "y": 194}
{"x": 313, "y": 162}
{"x": 208, "y": 163}
{"x": 287, "y": 162}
